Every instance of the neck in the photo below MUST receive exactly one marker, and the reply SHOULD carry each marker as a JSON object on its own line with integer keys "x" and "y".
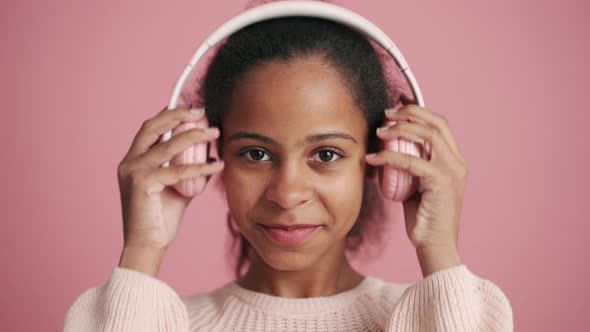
{"x": 329, "y": 275}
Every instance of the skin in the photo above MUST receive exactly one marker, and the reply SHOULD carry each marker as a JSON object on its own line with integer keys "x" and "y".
{"x": 284, "y": 105}
{"x": 287, "y": 102}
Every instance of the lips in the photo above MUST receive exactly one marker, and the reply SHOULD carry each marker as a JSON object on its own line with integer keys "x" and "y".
{"x": 289, "y": 227}
{"x": 288, "y": 234}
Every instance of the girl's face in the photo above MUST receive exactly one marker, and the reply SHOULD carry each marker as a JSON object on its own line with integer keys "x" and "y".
{"x": 294, "y": 146}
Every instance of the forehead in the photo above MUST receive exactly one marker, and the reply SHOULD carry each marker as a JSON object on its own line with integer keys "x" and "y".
{"x": 290, "y": 100}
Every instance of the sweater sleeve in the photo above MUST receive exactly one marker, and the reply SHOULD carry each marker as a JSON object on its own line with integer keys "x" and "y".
{"x": 452, "y": 299}
{"x": 129, "y": 301}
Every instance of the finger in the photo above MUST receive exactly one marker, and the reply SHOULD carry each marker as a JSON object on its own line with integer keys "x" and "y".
{"x": 165, "y": 151}
{"x": 403, "y": 100}
{"x": 425, "y": 136}
{"x": 158, "y": 125}
{"x": 413, "y": 165}
{"x": 153, "y": 128}
{"x": 156, "y": 180}
{"x": 393, "y": 117}
{"x": 422, "y": 115}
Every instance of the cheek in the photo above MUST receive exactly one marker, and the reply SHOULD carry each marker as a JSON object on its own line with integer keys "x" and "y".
{"x": 342, "y": 196}
{"x": 242, "y": 191}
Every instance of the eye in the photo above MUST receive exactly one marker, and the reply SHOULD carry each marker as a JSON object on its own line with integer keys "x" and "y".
{"x": 327, "y": 155}
{"x": 254, "y": 155}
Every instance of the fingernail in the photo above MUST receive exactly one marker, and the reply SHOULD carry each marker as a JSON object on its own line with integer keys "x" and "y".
{"x": 392, "y": 111}
{"x": 371, "y": 156}
{"x": 212, "y": 131}
{"x": 196, "y": 111}
{"x": 382, "y": 129}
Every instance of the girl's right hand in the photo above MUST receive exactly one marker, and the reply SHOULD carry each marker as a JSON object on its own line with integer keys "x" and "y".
{"x": 152, "y": 208}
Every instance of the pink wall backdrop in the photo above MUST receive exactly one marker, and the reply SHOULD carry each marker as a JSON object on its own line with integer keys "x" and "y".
{"x": 79, "y": 78}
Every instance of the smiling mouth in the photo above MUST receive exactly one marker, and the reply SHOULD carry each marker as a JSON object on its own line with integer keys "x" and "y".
{"x": 288, "y": 234}
{"x": 289, "y": 227}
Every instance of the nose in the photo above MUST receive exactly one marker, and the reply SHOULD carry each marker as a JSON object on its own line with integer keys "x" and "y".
{"x": 290, "y": 186}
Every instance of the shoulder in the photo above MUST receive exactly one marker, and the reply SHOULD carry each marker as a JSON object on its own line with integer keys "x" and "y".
{"x": 458, "y": 279}
{"x": 383, "y": 294}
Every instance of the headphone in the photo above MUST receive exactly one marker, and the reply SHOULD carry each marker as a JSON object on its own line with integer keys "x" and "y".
{"x": 395, "y": 184}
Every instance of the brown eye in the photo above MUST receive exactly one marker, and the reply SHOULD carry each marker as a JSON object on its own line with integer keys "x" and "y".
{"x": 255, "y": 155}
{"x": 326, "y": 156}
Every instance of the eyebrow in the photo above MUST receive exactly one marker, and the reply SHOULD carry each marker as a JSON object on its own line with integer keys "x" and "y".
{"x": 308, "y": 139}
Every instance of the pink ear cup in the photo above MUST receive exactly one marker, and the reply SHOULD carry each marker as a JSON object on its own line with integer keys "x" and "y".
{"x": 395, "y": 184}
{"x": 195, "y": 154}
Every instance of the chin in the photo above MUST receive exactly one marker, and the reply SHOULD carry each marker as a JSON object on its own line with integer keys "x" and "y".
{"x": 283, "y": 260}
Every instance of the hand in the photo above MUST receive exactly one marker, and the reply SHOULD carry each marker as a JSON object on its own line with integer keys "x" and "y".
{"x": 432, "y": 217}
{"x": 152, "y": 208}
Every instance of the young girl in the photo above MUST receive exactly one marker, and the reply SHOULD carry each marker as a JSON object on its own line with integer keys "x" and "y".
{"x": 294, "y": 106}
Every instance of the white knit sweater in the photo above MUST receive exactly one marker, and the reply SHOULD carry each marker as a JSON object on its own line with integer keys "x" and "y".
{"x": 452, "y": 299}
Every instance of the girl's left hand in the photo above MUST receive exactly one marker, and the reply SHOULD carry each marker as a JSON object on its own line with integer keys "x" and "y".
{"x": 432, "y": 217}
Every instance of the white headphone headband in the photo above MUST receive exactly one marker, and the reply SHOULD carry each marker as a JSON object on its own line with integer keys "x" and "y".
{"x": 297, "y": 8}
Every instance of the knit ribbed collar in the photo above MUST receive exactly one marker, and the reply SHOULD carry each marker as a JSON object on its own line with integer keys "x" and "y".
{"x": 277, "y": 304}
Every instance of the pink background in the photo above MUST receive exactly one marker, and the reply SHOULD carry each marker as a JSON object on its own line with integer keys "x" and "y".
{"x": 79, "y": 78}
